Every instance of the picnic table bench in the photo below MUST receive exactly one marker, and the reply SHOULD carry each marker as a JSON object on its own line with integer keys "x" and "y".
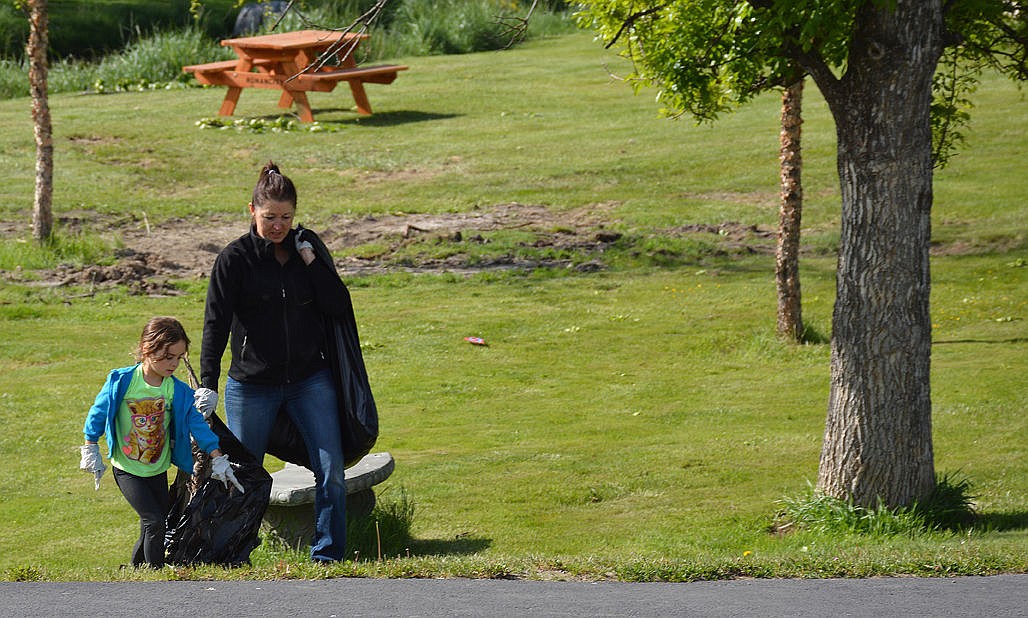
{"x": 284, "y": 62}
{"x": 290, "y": 512}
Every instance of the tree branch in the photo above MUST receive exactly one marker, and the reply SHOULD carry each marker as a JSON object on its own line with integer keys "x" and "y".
{"x": 282, "y": 15}
{"x": 516, "y": 27}
{"x": 630, "y": 22}
{"x": 343, "y": 44}
{"x": 816, "y": 67}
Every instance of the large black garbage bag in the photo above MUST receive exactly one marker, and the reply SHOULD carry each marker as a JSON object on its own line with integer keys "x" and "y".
{"x": 358, "y": 415}
{"x": 209, "y": 523}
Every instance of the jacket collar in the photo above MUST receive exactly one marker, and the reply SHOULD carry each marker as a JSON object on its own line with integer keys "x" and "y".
{"x": 265, "y": 248}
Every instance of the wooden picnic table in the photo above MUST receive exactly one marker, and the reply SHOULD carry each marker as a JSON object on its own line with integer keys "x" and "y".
{"x": 275, "y": 61}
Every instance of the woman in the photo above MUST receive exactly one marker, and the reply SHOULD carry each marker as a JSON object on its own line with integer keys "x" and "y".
{"x": 272, "y": 298}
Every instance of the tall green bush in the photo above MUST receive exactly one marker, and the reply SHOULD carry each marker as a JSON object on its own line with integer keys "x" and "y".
{"x": 429, "y": 27}
{"x": 89, "y": 29}
{"x": 92, "y": 28}
{"x": 148, "y": 61}
{"x": 406, "y": 28}
{"x": 160, "y": 58}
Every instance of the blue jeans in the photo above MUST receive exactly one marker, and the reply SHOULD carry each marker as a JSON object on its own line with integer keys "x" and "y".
{"x": 311, "y": 404}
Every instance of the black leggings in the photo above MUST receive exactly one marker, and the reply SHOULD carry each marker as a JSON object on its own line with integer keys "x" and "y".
{"x": 150, "y": 497}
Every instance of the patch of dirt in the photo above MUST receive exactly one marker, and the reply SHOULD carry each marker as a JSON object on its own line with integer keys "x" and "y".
{"x": 580, "y": 230}
{"x": 152, "y": 255}
{"x": 141, "y": 273}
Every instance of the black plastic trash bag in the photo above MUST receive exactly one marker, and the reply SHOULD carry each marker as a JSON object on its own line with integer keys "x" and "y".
{"x": 211, "y": 524}
{"x": 358, "y": 414}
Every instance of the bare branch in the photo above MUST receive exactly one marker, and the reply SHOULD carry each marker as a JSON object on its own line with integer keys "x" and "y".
{"x": 283, "y": 14}
{"x": 516, "y": 27}
{"x": 630, "y": 22}
{"x": 344, "y": 46}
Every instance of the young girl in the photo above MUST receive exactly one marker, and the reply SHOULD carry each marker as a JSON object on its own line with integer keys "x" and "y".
{"x": 147, "y": 416}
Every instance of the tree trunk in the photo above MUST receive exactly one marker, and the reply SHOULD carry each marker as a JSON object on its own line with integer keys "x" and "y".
{"x": 787, "y": 254}
{"x": 42, "y": 213}
{"x": 878, "y": 435}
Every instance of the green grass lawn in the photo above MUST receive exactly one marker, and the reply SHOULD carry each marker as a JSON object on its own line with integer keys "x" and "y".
{"x": 638, "y": 423}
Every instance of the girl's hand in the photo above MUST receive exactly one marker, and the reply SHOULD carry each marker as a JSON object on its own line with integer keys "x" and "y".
{"x": 92, "y": 462}
{"x": 221, "y": 470}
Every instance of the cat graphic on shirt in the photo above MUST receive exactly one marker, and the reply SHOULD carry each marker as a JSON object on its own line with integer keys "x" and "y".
{"x": 145, "y": 441}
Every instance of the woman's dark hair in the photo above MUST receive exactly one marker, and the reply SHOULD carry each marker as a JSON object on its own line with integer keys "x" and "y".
{"x": 273, "y": 185}
{"x": 158, "y": 334}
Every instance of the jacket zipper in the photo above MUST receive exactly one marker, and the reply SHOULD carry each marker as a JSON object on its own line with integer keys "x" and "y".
{"x": 285, "y": 323}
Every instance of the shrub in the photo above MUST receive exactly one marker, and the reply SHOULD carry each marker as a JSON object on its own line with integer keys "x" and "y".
{"x": 153, "y": 58}
{"x": 949, "y": 507}
{"x": 91, "y": 28}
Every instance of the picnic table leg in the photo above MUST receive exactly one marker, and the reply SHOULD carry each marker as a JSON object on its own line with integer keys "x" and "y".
{"x": 360, "y": 97}
{"x": 300, "y": 98}
{"x": 287, "y": 98}
{"x": 229, "y": 104}
{"x": 295, "y": 96}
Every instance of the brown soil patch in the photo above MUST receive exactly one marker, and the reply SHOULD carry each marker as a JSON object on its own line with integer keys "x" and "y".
{"x": 153, "y": 254}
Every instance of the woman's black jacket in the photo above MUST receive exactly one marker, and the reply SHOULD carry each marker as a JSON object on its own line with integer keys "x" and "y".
{"x": 275, "y": 313}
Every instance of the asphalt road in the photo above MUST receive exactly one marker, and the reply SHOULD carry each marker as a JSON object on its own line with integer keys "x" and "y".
{"x": 1003, "y": 596}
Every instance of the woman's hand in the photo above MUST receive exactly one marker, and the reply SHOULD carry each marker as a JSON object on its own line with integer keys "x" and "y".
{"x": 205, "y": 400}
{"x": 304, "y": 248}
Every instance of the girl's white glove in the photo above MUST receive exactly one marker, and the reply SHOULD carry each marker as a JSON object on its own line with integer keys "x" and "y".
{"x": 221, "y": 470}
{"x": 92, "y": 462}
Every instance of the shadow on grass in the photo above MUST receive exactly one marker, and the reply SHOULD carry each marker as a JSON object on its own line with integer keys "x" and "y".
{"x": 813, "y": 336}
{"x": 461, "y": 546}
{"x": 380, "y": 119}
{"x": 1002, "y": 522}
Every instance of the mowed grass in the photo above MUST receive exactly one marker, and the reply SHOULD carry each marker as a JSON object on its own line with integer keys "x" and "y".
{"x": 639, "y": 423}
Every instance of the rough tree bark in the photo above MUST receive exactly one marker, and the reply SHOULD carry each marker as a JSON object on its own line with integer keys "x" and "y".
{"x": 42, "y": 212}
{"x": 878, "y": 441}
{"x": 787, "y": 255}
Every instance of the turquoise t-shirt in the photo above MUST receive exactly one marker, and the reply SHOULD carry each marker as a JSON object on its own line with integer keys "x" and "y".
{"x": 143, "y": 421}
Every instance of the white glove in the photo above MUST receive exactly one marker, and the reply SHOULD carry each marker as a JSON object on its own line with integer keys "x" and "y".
{"x": 92, "y": 462}
{"x": 302, "y": 246}
{"x": 221, "y": 470}
{"x": 205, "y": 401}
